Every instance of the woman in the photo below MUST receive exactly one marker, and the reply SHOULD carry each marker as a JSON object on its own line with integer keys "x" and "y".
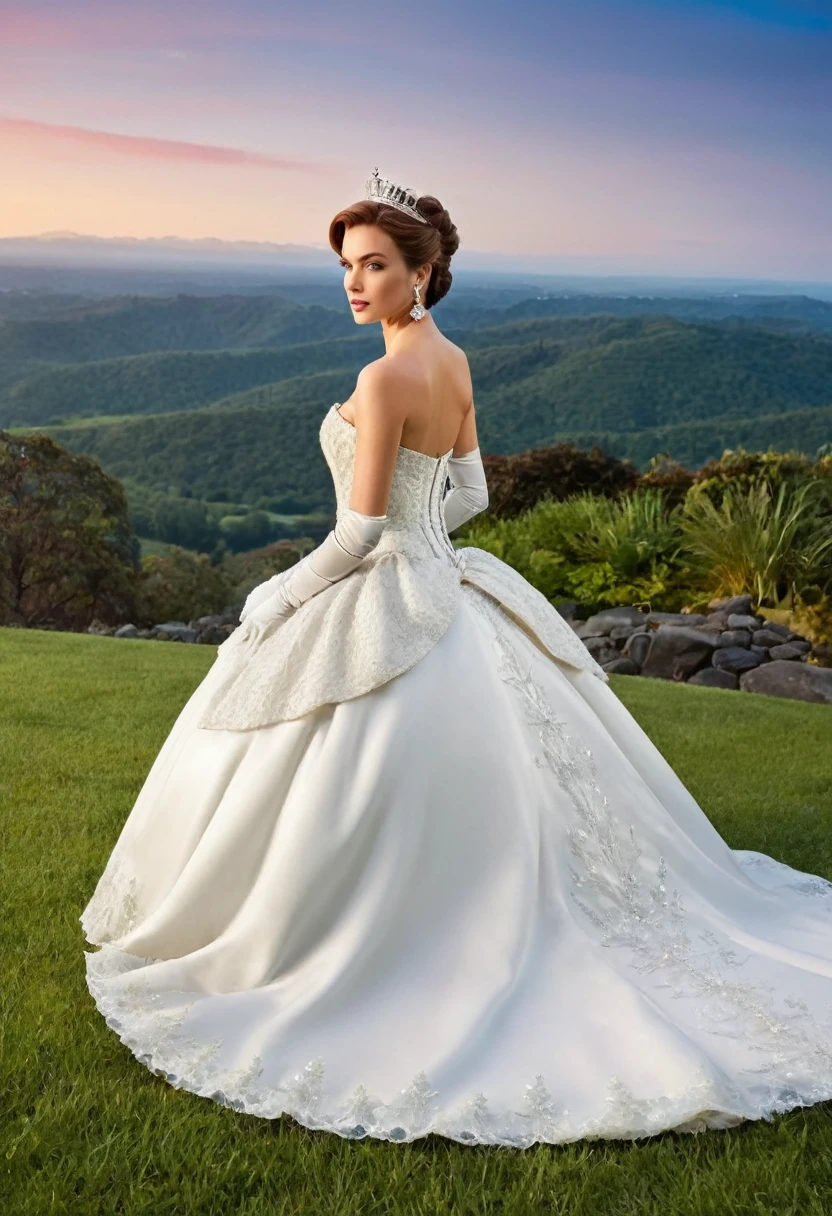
{"x": 405, "y": 863}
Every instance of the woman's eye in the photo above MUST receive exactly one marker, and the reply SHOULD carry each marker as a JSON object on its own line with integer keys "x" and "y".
{"x": 346, "y": 265}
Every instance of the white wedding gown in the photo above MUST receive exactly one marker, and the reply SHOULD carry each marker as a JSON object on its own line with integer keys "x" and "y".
{"x": 406, "y": 864}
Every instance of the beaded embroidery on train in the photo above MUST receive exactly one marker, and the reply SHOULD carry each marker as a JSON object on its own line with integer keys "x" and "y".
{"x": 384, "y": 617}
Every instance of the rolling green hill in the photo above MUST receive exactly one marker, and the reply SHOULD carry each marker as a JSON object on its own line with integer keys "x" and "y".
{"x": 241, "y": 424}
{"x": 164, "y": 382}
{"x": 167, "y": 382}
{"x": 239, "y": 454}
{"x": 645, "y": 373}
{"x": 136, "y": 325}
{"x": 694, "y": 443}
{"x": 532, "y": 378}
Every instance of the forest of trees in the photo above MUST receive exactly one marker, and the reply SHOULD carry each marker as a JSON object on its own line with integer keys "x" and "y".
{"x": 208, "y": 408}
{"x": 578, "y": 525}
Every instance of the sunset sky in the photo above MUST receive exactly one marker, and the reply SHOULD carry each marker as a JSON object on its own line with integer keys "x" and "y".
{"x": 667, "y": 137}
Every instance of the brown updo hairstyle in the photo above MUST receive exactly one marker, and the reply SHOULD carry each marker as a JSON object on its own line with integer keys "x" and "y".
{"x": 436, "y": 241}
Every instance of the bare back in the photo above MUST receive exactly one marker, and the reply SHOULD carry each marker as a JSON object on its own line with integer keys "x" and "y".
{"x": 437, "y": 398}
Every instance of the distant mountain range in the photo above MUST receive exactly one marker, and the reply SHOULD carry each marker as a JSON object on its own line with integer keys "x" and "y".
{"x": 212, "y": 257}
{"x": 220, "y": 398}
{"x": 83, "y": 246}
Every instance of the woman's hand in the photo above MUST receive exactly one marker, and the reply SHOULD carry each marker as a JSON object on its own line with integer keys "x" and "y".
{"x": 264, "y": 591}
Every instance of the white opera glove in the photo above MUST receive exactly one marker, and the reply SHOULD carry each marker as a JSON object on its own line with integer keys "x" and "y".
{"x": 263, "y": 591}
{"x": 354, "y": 536}
{"x": 469, "y": 490}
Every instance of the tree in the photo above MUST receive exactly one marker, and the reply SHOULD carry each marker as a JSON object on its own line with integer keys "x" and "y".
{"x": 68, "y": 553}
{"x": 181, "y": 586}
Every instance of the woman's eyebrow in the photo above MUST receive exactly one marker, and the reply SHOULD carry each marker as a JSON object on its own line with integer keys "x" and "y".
{"x": 364, "y": 256}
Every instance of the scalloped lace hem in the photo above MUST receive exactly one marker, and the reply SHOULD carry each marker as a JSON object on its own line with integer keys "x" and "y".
{"x": 153, "y": 1033}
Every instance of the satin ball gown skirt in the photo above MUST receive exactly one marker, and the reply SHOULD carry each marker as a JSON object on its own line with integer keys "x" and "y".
{"x": 475, "y": 901}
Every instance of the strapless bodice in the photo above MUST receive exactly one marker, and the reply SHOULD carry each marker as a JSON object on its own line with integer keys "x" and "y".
{"x": 381, "y": 619}
{"x": 415, "y": 520}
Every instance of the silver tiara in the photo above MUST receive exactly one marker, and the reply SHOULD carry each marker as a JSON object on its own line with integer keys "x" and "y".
{"x": 380, "y": 190}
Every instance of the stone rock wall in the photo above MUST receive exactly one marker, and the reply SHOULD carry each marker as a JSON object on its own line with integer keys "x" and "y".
{"x": 727, "y": 647}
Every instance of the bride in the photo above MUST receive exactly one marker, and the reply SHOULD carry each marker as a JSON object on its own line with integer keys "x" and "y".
{"x": 405, "y": 863}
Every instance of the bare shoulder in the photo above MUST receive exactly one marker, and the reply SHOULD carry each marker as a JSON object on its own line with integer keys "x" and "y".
{"x": 383, "y": 387}
{"x": 391, "y": 384}
{"x": 382, "y": 398}
{"x": 383, "y": 373}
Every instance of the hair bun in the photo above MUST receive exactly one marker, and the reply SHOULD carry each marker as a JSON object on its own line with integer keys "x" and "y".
{"x": 439, "y": 218}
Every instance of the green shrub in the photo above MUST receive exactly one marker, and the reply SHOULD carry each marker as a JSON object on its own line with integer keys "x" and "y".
{"x": 179, "y": 586}
{"x": 597, "y": 550}
{"x": 769, "y": 543}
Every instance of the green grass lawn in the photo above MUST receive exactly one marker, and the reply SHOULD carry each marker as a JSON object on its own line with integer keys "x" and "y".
{"x": 85, "y": 1129}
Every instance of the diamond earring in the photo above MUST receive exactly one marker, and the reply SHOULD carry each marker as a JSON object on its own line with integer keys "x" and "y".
{"x": 418, "y": 310}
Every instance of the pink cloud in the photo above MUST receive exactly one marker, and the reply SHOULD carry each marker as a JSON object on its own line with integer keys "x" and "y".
{"x": 149, "y": 147}
{"x": 92, "y": 26}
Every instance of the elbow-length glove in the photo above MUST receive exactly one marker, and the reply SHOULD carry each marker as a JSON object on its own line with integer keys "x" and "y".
{"x": 469, "y": 490}
{"x": 342, "y": 550}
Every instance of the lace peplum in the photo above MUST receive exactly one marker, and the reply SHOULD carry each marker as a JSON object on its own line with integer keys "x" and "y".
{"x": 382, "y": 618}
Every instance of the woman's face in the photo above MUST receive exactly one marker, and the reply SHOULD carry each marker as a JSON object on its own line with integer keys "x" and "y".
{"x": 374, "y": 271}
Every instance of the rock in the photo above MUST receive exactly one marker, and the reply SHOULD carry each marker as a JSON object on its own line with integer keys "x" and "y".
{"x": 715, "y": 621}
{"x": 676, "y": 618}
{"x": 735, "y": 658}
{"x": 620, "y": 632}
{"x": 214, "y": 635}
{"x": 145, "y": 633}
{"x": 177, "y": 631}
{"x": 798, "y": 681}
{"x": 766, "y": 637}
{"x": 622, "y": 667}
{"x": 217, "y": 618}
{"x": 637, "y": 646}
{"x": 714, "y": 677}
{"x": 786, "y": 650}
{"x": 734, "y": 637}
{"x": 676, "y": 652}
{"x": 127, "y": 631}
{"x": 776, "y": 627}
{"x": 738, "y": 620}
{"x": 584, "y": 630}
{"x": 601, "y": 650}
{"x": 740, "y": 604}
{"x": 603, "y": 622}
{"x": 760, "y": 651}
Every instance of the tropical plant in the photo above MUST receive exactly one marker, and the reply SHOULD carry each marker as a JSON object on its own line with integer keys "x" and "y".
{"x": 597, "y": 550}
{"x": 759, "y": 541}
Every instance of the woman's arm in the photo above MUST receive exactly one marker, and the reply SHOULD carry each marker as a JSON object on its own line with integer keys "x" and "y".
{"x": 469, "y": 490}
{"x": 378, "y": 427}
